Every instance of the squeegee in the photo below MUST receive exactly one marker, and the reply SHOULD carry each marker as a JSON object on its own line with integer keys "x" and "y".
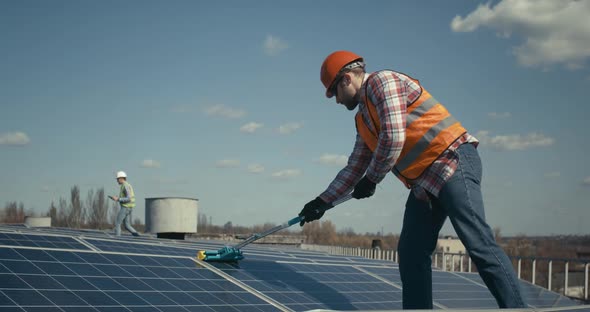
{"x": 233, "y": 253}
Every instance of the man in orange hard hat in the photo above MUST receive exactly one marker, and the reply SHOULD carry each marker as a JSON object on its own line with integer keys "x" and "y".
{"x": 402, "y": 129}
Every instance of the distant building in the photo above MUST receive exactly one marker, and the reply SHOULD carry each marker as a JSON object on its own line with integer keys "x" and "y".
{"x": 583, "y": 253}
{"x": 450, "y": 244}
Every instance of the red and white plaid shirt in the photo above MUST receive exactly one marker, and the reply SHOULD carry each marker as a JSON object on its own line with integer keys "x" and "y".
{"x": 391, "y": 92}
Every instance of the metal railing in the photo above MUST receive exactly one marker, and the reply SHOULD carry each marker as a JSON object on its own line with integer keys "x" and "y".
{"x": 554, "y": 274}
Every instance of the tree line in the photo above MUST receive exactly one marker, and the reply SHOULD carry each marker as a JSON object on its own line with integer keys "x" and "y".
{"x": 95, "y": 211}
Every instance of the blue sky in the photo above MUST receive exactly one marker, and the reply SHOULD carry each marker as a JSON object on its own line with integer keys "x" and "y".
{"x": 223, "y": 102}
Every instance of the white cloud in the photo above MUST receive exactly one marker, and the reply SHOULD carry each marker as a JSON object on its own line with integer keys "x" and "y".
{"x": 224, "y": 111}
{"x": 553, "y": 174}
{"x": 251, "y": 127}
{"x": 333, "y": 160}
{"x": 227, "y": 163}
{"x": 286, "y": 174}
{"x": 586, "y": 181}
{"x": 514, "y": 142}
{"x": 290, "y": 127}
{"x": 14, "y": 138}
{"x": 255, "y": 168}
{"x": 553, "y": 32}
{"x": 496, "y": 115}
{"x": 150, "y": 163}
{"x": 274, "y": 45}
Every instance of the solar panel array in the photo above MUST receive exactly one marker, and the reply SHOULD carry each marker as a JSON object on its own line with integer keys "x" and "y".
{"x": 68, "y": 270}
{"x": 11, "y": 239}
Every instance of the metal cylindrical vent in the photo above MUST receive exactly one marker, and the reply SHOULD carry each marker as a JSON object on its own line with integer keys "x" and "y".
{"x": 171, "y": 215}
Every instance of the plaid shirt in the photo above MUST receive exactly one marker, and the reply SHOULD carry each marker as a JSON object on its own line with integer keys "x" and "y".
{"x": 391, "y": 92}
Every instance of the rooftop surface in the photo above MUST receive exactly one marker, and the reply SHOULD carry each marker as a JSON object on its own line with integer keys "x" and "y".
{"x": 59, "y": 269}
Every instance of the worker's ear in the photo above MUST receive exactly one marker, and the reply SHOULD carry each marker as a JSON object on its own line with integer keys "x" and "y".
{"x": 347, "y": 79}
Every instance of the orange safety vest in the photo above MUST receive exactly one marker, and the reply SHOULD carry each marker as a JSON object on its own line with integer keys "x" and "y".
{"x": 430, "y": 130}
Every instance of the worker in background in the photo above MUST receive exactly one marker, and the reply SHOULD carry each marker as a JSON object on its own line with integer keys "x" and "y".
{"x": 126, "y": 199}
{"x": 402, "y": 129}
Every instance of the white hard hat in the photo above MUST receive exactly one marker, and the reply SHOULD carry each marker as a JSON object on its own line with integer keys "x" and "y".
{"x": 121, "y": 174}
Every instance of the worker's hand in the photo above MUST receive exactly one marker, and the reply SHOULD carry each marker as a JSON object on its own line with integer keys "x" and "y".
{"x": 365, "y": 188}
{"x": 313, "y": 210}
{"x": 115, "y": 198}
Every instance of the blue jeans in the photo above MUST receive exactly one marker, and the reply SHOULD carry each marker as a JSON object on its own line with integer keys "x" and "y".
{"x": 460, "y": 199}
{"x": 124, "y": 215}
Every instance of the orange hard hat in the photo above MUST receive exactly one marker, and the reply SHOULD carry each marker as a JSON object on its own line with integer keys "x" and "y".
{"x": 332, "y": 66}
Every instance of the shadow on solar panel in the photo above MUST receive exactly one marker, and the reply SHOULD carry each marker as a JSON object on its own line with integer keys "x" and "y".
{"x": 305, "y": 286}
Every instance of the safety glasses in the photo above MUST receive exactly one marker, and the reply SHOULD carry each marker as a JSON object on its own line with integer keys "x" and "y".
{"x": 334, "y": 88}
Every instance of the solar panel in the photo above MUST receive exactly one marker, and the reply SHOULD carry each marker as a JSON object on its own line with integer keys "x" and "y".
{"x": 46, "y": 241}
{"x": 56, "y": 230}
{"x": 467, "y": 290}
{"x": 98, "y": 272}
{"x": 274, "y": 253}
{"x": 536, "y": 296}
{"x": 31, "y": 279}
{"x": 189, "y": 250}
{"x": 304, "y": 286}
{"x": 140, "y": 248}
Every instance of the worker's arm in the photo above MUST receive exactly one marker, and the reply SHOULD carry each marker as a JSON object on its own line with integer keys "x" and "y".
{"x": 347, "y": 178}
{"x": 389, "y": 94}
{"x": 125, "y": 199}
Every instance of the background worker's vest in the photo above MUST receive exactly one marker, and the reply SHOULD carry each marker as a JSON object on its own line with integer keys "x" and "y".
{"x": 430, "y": 130}
{"x": 131, "y": 196}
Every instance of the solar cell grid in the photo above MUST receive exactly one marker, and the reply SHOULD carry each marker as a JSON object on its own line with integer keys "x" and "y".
{"x": 31, "y": 279}
{"x": 185, "y": 250}
{"x": 467, "y": 290}
{"x": 140, "y": 248}
{"x": 536, "y": 296}
{"x": 121, "y": 277}
{"x": 312, "y": 286}
{"x": 43, "y": 241}
{"x": 284, "y": 254}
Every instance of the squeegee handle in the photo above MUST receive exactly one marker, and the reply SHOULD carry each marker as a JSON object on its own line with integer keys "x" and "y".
{"x": 286, "y": 224}
{"x": 261, "y": 235}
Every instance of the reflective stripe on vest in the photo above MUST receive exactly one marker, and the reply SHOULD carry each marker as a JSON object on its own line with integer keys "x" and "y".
{"x": 131, "y": 196}
{"x": 430, "y": 130}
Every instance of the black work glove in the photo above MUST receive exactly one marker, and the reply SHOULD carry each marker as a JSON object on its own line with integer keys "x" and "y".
{"x": 365, "y": 188}
{"x": 313, "y": 210}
